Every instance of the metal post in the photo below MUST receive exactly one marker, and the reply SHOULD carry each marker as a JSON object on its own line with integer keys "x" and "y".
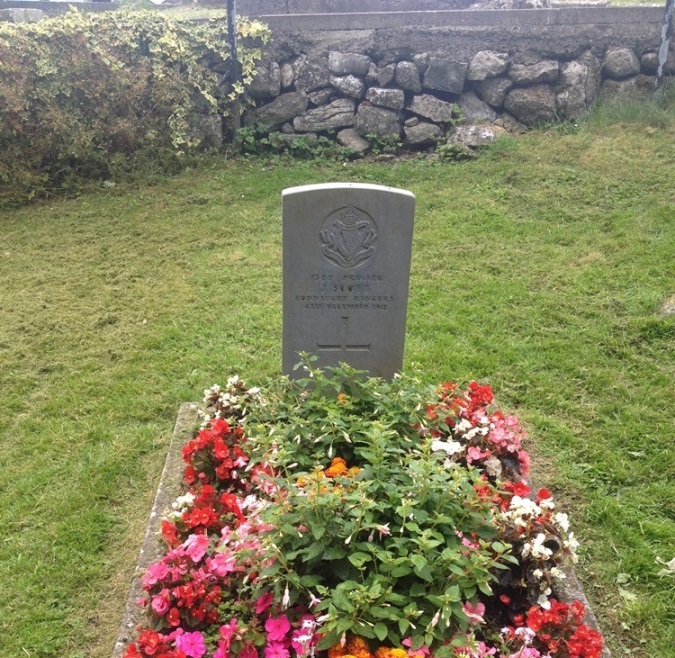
{"x": 236, "y": 68}
{"x": 666, "y": 31}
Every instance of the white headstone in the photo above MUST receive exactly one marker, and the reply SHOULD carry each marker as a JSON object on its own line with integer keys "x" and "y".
{"x": 346, "y": 268}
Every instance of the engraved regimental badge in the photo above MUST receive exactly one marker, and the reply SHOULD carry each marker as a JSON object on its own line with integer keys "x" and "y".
{"x": 348, "y": 237}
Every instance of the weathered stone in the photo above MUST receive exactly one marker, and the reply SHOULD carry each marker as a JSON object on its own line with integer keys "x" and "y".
{"x": 371, "y": 76}
{"x": 408, "y": 77}
{"x": 321, "y": 97}
{"x": 620, "y": 63}
{"x": 282, "y": 109}
{"x": 352, "y": 140}
{"x": 476, "y": 135}
{"x": 349, "y": 85}
{"x": 21, "y": 15}
{"x": 338, "y": 114}
{"x": 286, "y": 75}
{"x": 433, "y": 108}
{"x": 391, "y": 98}
{"x": 207, "y": 130}
{"x": 311, "y": 73}
{"x": 572, "y": 95}
{"x": 386, "y": 74}
{"x": 346, "y": 261}
{"x": 422, "y": 134}
{"x": 593, "y": 78}
{"x": 289, "y": 140}
{"x": 487, "y": 64}
{"x": 445, "y": 75}
{"x": 493, "y": 91}
{"x": 649, "y": 63}
{"x": 348, "y": 63}
{"x": 287, "y": 128}
{"x": 638, "y": 86}
{"x": 510, "y": 124}
{"x": 412, "y": 121}
{"x": 474, "y": 109}
{"x": 371, "y": 120}
{"x": 421, "y": 61}
{"x": 545, "y": 71}
{"x": 266, "y": 82}
{"x": 532, "y": 105}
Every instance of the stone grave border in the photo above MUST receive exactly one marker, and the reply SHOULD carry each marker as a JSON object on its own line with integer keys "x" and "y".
{"x": 169, "y": 489}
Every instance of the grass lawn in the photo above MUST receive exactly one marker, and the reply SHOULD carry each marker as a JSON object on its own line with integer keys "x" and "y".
{"x": 540, "y": 268}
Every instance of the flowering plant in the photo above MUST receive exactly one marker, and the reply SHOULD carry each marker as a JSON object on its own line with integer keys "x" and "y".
{"x": 348, "y": 517}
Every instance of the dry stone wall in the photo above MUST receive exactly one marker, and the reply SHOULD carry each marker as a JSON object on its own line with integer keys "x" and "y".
{"x": 383, "y": 84}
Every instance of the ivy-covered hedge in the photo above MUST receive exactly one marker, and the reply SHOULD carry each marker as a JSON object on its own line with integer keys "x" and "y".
{"x": 91, "y": 95}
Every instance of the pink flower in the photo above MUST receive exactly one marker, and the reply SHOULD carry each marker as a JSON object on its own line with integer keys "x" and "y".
{"x": 422, "y": 652}
{"x": 277, "y": 627}
{"x": 276, "y": 650}
{"x": 154, "y": 573}
{"x": 160, "y": 603}
{"x": 220, "y": 652}
{"x": 195, "y": 546}
{"x": 221, "y": 564}
{"x": 191, "y": 644}
{"x": 264, "y": 602}
{"x": 474, "y": 453}
{"x": 484, "y": 651}
{"x": 475, "y": 614}
{"x": 227, "y": 632}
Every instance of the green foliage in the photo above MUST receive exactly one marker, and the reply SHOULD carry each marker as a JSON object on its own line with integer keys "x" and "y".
{"x": 384, "y": 144}
{"x": 414, "y": 579}
{"x": 453, "y": 153}
{"x": 256, "y": 142}
{"x": 91, "y": 95}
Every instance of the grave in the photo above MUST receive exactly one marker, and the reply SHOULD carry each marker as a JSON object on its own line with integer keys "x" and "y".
{"x": 346, "y": 268}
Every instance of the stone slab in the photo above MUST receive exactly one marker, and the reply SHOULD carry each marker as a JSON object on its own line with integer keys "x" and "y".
{"x": 346, "y": 265}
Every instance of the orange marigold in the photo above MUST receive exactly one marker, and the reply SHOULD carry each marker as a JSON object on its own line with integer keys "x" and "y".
{"x": 352, "y": 472}
{"x": 383, "y": 652}
{"x": 337, "y": 651}
{"x": 357, "y": 644}
{"x": 337, "y": 467}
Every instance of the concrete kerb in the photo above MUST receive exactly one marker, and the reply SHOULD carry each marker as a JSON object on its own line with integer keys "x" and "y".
{"x": 153, "y": 549}
{"x": 520, "y": 18}
{"x": 170, "y": 487}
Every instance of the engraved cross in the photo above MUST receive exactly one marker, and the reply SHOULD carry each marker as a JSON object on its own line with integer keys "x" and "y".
{"x": 343, "y": 347}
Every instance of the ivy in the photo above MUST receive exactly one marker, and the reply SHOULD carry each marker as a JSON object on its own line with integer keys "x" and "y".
{"x": 86, "y": 95}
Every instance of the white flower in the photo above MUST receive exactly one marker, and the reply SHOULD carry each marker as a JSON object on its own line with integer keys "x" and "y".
{"x": 558, "y": 573}
{"x": 449, "y": 447}
{"x": 562, "y": 521}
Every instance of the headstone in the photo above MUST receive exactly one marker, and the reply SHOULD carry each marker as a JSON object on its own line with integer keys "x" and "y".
{"x": 346, "y": 267}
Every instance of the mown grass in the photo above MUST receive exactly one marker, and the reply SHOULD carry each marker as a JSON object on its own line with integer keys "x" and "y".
{"x": 540, "y": 268}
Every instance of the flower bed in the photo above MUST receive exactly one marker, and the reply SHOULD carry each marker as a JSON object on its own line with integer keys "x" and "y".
{"x": 349, "y": 517}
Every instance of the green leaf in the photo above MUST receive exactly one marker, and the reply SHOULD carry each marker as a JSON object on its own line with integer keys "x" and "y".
{"x": 358, "y": 559}
{"x": 328, "y": 640}
{"x": 318, "y": 530}
{"x": 418, "y": 589}
{"x": 381, "y": 631}
{"x": 403, "y": 625}
{"x": 419, "y": 561}
{"x": 401, "y": 570}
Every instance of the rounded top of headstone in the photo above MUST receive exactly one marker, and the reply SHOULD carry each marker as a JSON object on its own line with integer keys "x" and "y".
{"x": 302, "y": 189}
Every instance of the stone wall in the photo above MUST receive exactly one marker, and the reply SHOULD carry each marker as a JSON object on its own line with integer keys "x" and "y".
{"x": 410, "y": 76}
